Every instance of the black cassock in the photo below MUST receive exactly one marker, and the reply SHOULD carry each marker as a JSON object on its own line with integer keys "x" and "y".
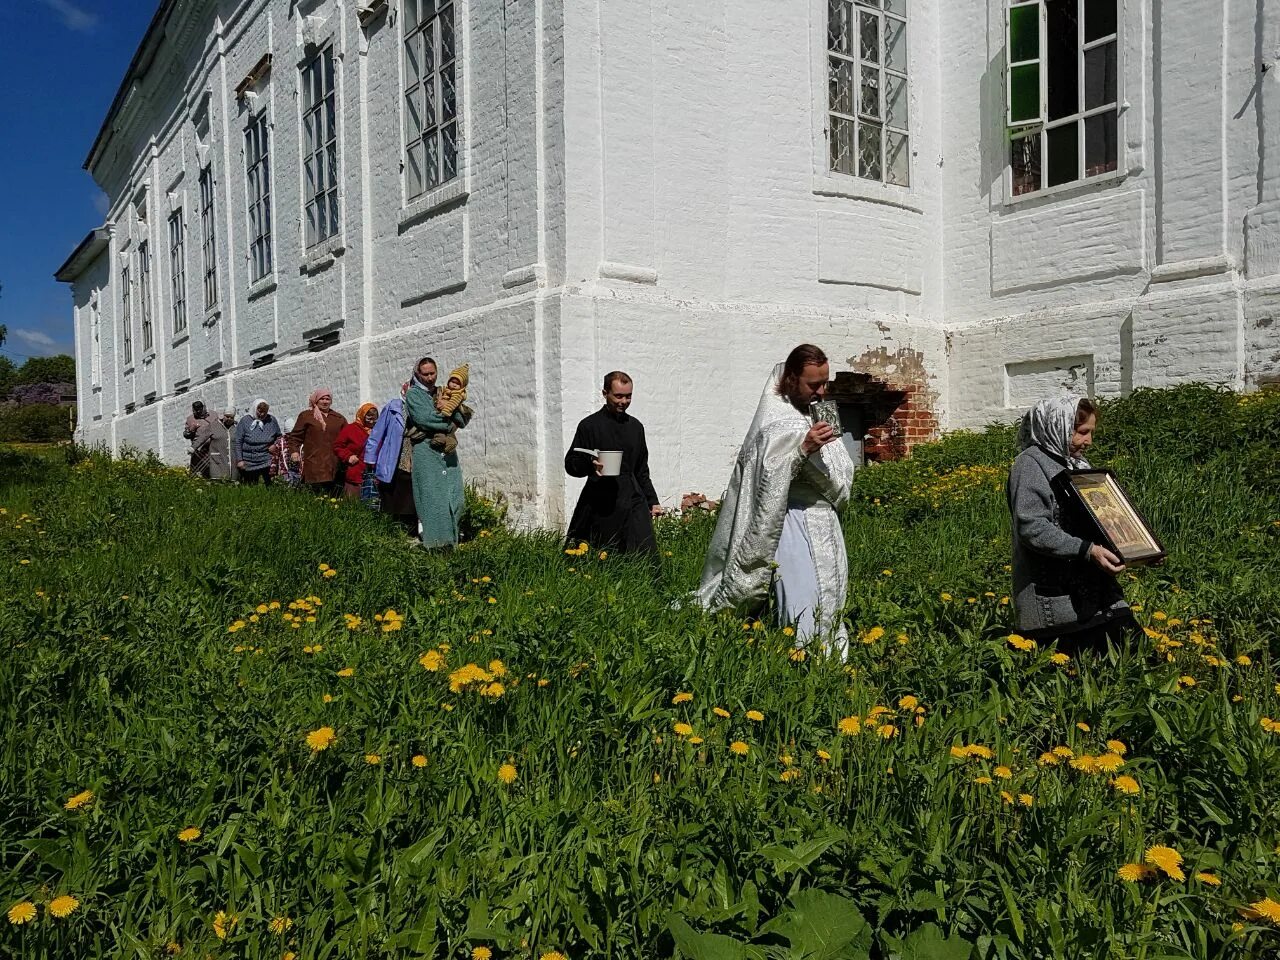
{"x": 612, "y": 512}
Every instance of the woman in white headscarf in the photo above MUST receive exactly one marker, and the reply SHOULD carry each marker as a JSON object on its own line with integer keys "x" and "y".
{"x": 252, "y": 441}
{"x": 778, "y": 523}
{"x": 1064, "y": 586}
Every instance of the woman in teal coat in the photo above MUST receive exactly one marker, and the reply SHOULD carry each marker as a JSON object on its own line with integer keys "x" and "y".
{"x": 437, "y": 475}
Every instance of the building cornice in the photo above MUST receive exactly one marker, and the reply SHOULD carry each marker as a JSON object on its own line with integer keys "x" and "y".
{"x": 83, "y": 255}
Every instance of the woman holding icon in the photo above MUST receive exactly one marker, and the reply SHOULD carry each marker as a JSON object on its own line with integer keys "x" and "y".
{"x": 616, "y": 508}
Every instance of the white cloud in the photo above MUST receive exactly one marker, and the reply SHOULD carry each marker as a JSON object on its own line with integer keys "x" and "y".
{"x": 101, "y": 203}
{"x": 73, "y": 16}
{"x": 36, "y": 342}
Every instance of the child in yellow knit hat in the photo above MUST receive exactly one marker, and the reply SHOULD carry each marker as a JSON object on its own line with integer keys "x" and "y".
{"x": 454, "y": 391}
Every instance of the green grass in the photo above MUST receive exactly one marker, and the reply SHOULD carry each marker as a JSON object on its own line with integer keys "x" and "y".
{"x": 620, "y": 837}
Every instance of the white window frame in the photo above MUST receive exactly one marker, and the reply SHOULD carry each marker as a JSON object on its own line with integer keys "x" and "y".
{"x": 178, "y": 271}
{"x": 257, "y": 165}
{"x": 1041, "y": 125}
{"x": 144, "y": 297}
{"x": 320, "y": 195}
{"x": 209, "y": 236}
{"x": 126, "y": 314}
{"x": 884, "y": 13}
{"x": 424, "y": 157}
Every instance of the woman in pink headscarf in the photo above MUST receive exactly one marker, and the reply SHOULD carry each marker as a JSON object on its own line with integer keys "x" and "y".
{"x": 311, "y": 440}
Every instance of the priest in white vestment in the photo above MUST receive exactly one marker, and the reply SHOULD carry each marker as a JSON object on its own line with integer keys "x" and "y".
{"x": 778, "y": 523}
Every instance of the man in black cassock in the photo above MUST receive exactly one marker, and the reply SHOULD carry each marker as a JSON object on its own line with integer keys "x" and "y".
{"x": 613, "y": 513}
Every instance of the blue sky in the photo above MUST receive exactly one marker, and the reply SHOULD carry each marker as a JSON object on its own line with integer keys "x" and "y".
{"x": 61, "y": 62}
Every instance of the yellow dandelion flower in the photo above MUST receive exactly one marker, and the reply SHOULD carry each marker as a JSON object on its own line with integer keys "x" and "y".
{"x": 1126, "y": 784}
{"x": 1269, "y": 725}
{"x": 1082, "y": 727}
{"x": 432, "y": 661}
{"x": 189, "y": 834}
{"x": 1003, "y": 772}
{"x": 553, "y": 955}
{"x": 81, "y": 799}
{"x": 1019, "y": 642}
{"x": 1166, "y": 859}
{"x": 419, "y": 761}
{"x": 850, "y": 726}
{"x": 908, "y": 702}
{"x": 222, "y": 922}
{"x": 824, "y": 756}
{"x": 372, "y": 759}
{"x": 1133, "y": 872}
{"x": 1060, "y": 659}
{"x": 1209, "y": 878}
{"x": 720, "y": 712}
{"x": 24, "y": 911}
{"x": 872, "y": 635}
{"x": 786, "y": 776}
{"x": 983, "y": 781}
{"x": 63, "y": 906}
{"x": 347, "y": 672}
{"x": 1026, "y": 799}
{"x": 887, "y": 730}
{"x": 1117, "y": 747}
{"x": 1268, "y": 909}
{"x": 321, "y": 739}
{"x": 1244, "y": 660}
{"x": 1066, "y": 753}
{"x": 481, "y": 953}
{"x": 507, "y": 773}
{"x": 979, "y": 751}
{"x": 682, "y": 729}
{"x": 279, "y": 925}
{"x": 946, "y": 597}
{"x": 755, "y": 716}
{"x": 682, "y": 697}
{"x": 327, "y": 698}
{"x": 1006, "y": 796}
{"x": 1048, "y": 759}
{"x": 695, "y": 740}
{"x": 1186, "y": 681}
{"x": 739, "y": 748}
{"x": 1110, "y": 762}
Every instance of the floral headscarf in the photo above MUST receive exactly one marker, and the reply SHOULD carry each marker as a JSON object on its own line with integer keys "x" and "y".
{"x": 313, "y": 402}
{"x": 1049, "y": 426}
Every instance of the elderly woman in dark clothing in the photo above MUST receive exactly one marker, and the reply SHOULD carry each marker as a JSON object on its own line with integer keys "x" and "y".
{"x": 252, "y": 441}
{"x": 1064, "y": 586}
{"x": 311, "y": 443}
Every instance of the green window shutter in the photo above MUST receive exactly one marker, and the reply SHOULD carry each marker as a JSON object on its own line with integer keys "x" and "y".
{"x": 1024, "y": 63}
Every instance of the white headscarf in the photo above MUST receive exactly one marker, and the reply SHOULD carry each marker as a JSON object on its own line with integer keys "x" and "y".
{"x": 1049, "y": 425}
{"x": 257, "y": 423}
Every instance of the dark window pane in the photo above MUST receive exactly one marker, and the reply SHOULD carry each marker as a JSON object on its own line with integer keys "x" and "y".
{"x": 1024, "y": 33}
{"x": 840, "y": 82}
{"x": 1100, "y": 144}
{"x": 869, "y": 102}
{"x": 449, "y": 151}
{"x": 433, "y": 160}
{"x": 410, "y": 15}
{"x": 1063, "y": 154}
{"x": 1099, "y": 19}
{"x": 841, "y": 137}
{"x": 446, "y": 35}
{"x": 897, "y": 161}
{"x": 895, "y": 44}
{"x": 1025, "y": 161}
{"x": 1100, "y": 76}
{"x": 448, "y": 99}
{"x": 838, "y": 27}
{"x": 1063, "y": 54}
{"x": 895, "y": 101}
{"x": 869, "y": 32}
{"x": 1024, "y": 96}
{"x": 428, "y": 50}
{"x": 869, "y": 151}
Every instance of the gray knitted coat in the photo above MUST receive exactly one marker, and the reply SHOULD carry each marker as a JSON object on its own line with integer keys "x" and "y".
{"x": 1056, "y": 588}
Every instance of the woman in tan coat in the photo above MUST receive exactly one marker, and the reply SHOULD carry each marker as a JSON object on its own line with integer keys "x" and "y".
{"x": 311, "y": 441}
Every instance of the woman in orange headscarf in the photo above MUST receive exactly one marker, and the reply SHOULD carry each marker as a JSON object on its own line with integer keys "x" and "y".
{"x": 349, "y": 447}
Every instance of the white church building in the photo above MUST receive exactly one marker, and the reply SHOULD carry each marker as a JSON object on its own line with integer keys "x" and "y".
{"x": 967, "y": 203}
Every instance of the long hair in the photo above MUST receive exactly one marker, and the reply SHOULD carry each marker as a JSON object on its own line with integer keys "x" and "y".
{"x": 802, "y": 356}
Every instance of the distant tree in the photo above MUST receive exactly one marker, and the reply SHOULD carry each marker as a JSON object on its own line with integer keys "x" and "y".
{"x": 56, "y": 369}
{"x": 8, "y": 375}
{"x": 29, "y": 393}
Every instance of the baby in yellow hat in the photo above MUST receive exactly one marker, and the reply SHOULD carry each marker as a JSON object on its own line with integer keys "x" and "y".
{"x": 454, "y": 392}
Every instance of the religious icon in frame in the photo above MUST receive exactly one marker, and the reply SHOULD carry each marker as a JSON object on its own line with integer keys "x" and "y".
{"x": 1103, "y": 503}
{"x": 827, "y": 411}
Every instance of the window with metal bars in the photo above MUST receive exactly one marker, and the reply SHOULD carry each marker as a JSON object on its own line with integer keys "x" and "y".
{"x": 178, "y": 271}
{"x": 1062, "y": 80}
{"x": 126, "y": 316}
{"x": 144, "y": 296}
{"x": 320, "y": 143}
{"x": 867, "y": 90}
{"x": 257, "y": 161}
{"x": 430, "y": 96}
{"x": 208, "y": 238}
